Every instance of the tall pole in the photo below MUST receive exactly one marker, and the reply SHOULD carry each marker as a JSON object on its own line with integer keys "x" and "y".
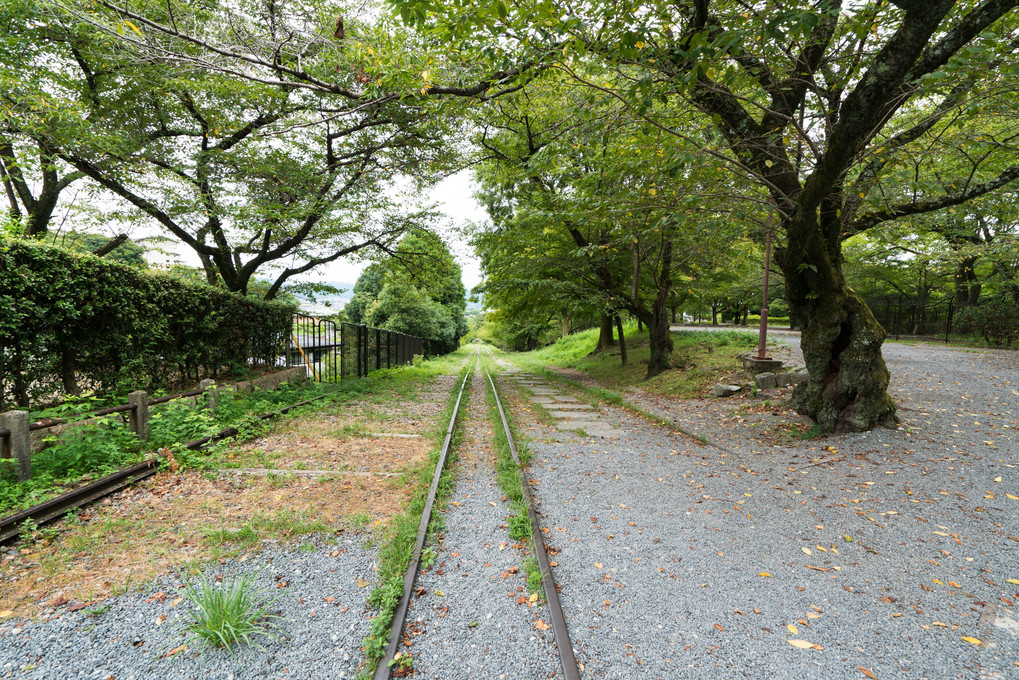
{"x": 762, "y": 339}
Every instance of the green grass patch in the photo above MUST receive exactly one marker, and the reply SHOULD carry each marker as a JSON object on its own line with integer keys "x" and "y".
{"x": 699, "y": 359}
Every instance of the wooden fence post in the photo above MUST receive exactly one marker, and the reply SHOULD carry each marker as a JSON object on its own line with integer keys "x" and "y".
{"x": 211, "y": 394}
{"x": 139, "y": 418}
{"x": 17, "y": 445}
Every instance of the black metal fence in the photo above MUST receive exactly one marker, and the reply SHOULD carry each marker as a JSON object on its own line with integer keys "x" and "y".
{"x": 906, "y": 317}
{"x": 334, "y": 351}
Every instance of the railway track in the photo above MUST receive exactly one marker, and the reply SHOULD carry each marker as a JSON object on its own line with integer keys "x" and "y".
{"x": 566, "y": 658}
{"x": 53, "y": 509}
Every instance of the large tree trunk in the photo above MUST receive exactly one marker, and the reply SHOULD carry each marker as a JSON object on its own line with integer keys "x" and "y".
{"x": 660, "y": 339}
{"x": 847, "y": 390}
{"x": 622, "y": 341}
{"x": 605, "y": 337}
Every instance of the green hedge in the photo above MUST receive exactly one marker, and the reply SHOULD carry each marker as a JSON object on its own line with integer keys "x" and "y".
{"x": 71, "y": 321}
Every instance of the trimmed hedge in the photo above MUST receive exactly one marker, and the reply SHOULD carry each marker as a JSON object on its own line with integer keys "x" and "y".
{"x": 70, "y": 320}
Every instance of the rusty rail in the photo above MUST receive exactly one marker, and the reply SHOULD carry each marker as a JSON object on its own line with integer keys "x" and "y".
{"x": 55, "y": 508}
{"x": 567, "y": 658}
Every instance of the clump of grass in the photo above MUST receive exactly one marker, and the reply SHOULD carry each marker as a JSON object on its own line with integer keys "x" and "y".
{"x": 228, "y": 612}
{"x": 533, "y": 572}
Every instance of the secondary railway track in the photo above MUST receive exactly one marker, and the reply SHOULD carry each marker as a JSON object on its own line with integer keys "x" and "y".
{"x": 567, "y": 659}
{"x": 55, "y": 508}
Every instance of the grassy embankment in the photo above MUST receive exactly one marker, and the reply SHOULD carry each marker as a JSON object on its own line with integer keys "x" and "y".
{"x": 701, "y": 359}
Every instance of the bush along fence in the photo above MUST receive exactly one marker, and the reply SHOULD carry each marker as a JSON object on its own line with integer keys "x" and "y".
{"x": 15, "y": 446}
{"x": 74, "y": 322}
{"x": 335, "y": 351}
{"x": 16, "y": 427}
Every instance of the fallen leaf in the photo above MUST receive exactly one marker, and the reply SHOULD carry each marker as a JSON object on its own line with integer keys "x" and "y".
{"x": 1013, "y": 581}
{"x": 867, "y": 672}
{"x": 801, "y": 644}
{"x": 160, "y": 619}
{"x": 533, "y": 598}
{"x": 765, "y": 574}
{"x": 954, "y": 584}
{"x": 361, "y": 583}
{"x": 492, "y": 503}
{"x": 175, "y": 650}
{"x": 439, "y": 593}
{"x": 541, "y": 625}
{"x": 177, "y": 602}
{"x": 972, "y": 640}
{"x": 807, "y": 551}
{"x": 719, "y": 627}
{"x": 793, "y": 629}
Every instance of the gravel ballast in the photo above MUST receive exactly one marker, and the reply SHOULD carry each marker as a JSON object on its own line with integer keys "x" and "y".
{"x": 468, "y": 621}
{"x": 318, "y": 591}
{"x": 684, "y": 560}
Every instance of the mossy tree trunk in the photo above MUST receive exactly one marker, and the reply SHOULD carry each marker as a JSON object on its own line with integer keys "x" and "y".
{"x": 847, "y": 390}
{"x": 605, "y": 337}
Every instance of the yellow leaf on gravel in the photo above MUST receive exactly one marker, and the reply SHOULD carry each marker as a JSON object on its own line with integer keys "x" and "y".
{"x": 869, "y": 673}
{"x": 492, "y": 503}
{"x": 807, "y": 550}
{"x": 765, "y": 574}
{"x": 939, "y": 533}
{"x": 937, "y": 581}
{"x": 793, "y": 629}
{"x": 1013, "y": 581}
{"x": 533, "y": 598}
{"x": 541, "y": 625}
{"x": 801, "y": 644}
{"x": 361, "y": 583}
{"x": 439, "y": 593}
{"x": 972, "y": 640}
{"x": 1015, "y": 498}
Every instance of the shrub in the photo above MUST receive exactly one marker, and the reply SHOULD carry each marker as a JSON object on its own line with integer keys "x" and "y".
{"x": 997, "y": 320}
{"x": 72, "y": 319}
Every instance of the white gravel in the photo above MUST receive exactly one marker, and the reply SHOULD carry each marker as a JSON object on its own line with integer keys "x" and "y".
{"x": 681, "y": 560}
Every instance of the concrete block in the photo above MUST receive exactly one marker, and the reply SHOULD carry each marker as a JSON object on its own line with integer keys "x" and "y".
{"x": 138, "y": 417}
{"x": 16, "y": 447}
{"x": 766, "y": 380}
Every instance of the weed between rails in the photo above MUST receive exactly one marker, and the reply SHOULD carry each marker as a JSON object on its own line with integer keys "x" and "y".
{"x": 397, "y": 548}
{"x": 510, "y": 478}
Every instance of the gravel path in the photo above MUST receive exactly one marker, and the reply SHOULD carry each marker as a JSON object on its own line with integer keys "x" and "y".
{"x": 470, "y": 621}
{"x": 318, "y": 586}
{"x": 684, "y": 560}
{"x": 318, "y": 594}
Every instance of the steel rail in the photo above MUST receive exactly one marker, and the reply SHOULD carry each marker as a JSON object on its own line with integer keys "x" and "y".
{"x": 382, "y": 670}
{"x": 56, "y": 507}
{"x": 567, "y": 658}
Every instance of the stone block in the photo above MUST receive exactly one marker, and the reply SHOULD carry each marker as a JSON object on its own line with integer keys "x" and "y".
{"x": 766, "y": 380}
{"x": 723, "y": 390}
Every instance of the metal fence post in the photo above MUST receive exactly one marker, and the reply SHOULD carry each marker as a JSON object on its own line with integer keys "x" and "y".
{"x": 138, "y": 419}
{"x": 389, "y": 349}
{"x": 17, "y": 444}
